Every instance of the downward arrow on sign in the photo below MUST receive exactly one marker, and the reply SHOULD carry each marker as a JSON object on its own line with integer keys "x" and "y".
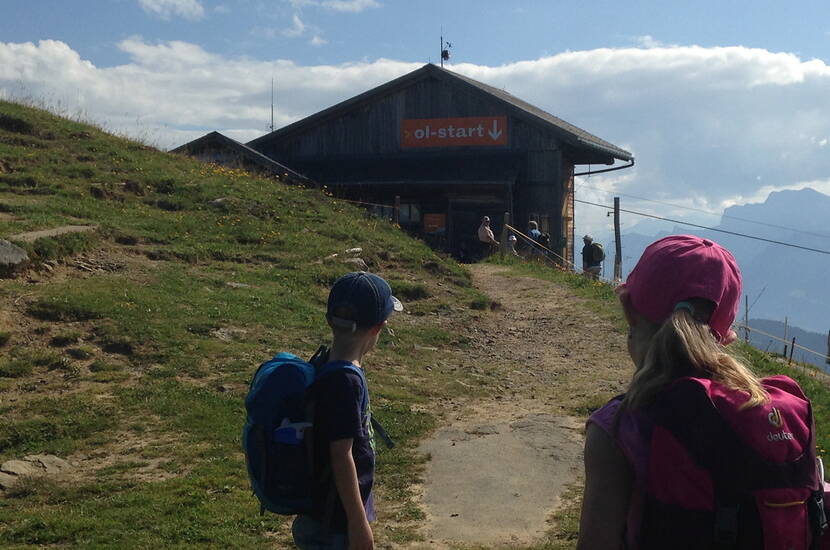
{"x": 494, "y": 132}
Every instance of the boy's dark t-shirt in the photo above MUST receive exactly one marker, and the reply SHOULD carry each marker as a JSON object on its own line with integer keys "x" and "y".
{"x": 337, "y": 397}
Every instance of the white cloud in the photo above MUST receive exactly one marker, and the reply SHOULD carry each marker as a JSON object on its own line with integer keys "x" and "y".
{"x": 352, "y": 6}
{"x": 318, "y": 41}
{"x": 761, "y": 194}
{"x": 297, "y": 27}
{"x": 704, "y": 123}
{"x": 648, "y": 41}
{"x": 347, "y": 6}
{"x": 189, "y": 9}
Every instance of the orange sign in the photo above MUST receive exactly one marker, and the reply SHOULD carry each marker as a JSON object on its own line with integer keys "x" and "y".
{"x": 453, "y": 132}
{"x": 434, "y": 223}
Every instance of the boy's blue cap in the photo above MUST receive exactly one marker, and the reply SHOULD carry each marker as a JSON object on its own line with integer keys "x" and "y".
{"x": 361, "y": 299}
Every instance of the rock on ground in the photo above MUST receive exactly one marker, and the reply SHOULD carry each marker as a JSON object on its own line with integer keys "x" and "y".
{"x": 12, "y": 471}
{"x": 12, "y": 258}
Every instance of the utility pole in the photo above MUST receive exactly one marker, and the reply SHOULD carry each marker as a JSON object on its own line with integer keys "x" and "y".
{"x": 617, "y": 241}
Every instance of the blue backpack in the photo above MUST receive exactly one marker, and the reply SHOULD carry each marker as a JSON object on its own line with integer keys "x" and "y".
{"x": 277, "y": 434}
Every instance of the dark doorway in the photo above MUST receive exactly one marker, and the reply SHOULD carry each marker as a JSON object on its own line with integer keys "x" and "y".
{"x": 466, "y": 217}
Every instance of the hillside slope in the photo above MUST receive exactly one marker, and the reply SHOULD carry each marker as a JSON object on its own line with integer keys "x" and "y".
{"x": 126, "y": 349}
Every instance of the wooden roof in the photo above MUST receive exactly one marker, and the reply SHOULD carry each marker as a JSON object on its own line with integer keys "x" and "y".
{"x": 572, "y": 135}
{"x": 246, "y": 152}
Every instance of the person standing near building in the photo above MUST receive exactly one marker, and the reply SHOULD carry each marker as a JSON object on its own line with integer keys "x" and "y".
{"x": 592, "y": 256}
{"x": 534, "y": 233}
{"x": 486, "y": 237}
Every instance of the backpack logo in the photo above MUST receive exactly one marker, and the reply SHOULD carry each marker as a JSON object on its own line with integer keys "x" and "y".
{"x": 775, "y": 418}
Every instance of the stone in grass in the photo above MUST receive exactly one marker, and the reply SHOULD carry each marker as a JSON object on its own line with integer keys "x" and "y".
{"x": 50, "y": 463}
{"x": 7, "y": 481}
{"x": 12, "y": 258}
{"x": 12, "y": 471}
{"x": 233, "y": 284}
{"x": 356, "y": 263}
{"x": 20, "y": 468}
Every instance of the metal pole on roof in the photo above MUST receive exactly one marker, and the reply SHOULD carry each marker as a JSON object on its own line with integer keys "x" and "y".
{"x": 441, "y": 49}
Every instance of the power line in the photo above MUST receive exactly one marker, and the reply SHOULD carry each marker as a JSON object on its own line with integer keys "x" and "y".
{"x": 710, "y": 212}
{"x": 820, "y": 251}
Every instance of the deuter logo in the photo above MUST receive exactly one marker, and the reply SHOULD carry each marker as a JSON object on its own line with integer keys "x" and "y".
{"x": 775, "y": 418}
{"x": 779, "y": 436}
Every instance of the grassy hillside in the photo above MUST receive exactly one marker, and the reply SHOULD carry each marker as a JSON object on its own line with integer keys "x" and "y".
{"x": 128, "y": 349}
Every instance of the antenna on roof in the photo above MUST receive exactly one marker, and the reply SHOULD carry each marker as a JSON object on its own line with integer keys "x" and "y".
{"x": 272, "y": 104}
{"x": 445, "y": 52}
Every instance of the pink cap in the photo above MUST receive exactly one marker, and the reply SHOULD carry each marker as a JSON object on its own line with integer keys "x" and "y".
{"x": 680, "y": 267}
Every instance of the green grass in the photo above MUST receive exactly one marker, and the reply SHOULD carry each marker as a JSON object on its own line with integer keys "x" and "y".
{"x": 128, "y": 363}
{"x": 145, "y": 380}
{"x": 14, "y": 368}
{"x": 65, "y": 338}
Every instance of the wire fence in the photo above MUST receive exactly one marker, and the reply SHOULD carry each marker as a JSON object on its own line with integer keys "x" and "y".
{"x": 560, "y": 262}
{"x": 565, "y": 264}
{"x": 782, "y": 340}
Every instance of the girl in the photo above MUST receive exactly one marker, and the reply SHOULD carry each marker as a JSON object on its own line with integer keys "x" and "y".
{"x": 641, "y": 481}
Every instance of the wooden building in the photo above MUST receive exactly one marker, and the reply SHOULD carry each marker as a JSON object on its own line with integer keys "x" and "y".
{"x": 452, "y": 149}
{"x": 220, "y": 149}
{"x": 449, "y": 148}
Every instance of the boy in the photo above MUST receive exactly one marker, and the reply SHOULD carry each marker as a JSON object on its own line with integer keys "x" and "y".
{"x": 344, "y": 457}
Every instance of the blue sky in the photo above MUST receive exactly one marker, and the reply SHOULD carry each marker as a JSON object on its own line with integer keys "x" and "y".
{"x": 482, "y": 31}
{"x": 722, "y": 103}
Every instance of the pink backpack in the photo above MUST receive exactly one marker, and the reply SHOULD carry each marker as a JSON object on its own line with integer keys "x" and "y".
{"x": 710, "y": 475}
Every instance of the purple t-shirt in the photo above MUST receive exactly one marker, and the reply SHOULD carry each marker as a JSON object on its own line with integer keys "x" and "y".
{"x": 338, "y": 397}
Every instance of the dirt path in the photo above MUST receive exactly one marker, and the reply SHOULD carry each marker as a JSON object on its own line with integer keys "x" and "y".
{"x": 498, "y": 468}
{"x": 32, "y": 236}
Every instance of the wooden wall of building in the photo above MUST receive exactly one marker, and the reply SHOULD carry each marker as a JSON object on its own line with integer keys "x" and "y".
{"x": 372, "y": 130}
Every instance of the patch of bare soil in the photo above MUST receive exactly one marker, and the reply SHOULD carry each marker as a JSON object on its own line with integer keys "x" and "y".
{"x": 36, "y": 334}
{"x": 498, "y": 467}
{"x": 32, "y": 236}
{"x": 142, "y": 458}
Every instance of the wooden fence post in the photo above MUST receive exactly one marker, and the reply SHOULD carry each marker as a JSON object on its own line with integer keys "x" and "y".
{"x": 746, "y": 318}
{"x": 828, "y": 347}
{"x": 504, "y": 243}
{"x": 792, "y": 349}
{"x": 397, "y": 213}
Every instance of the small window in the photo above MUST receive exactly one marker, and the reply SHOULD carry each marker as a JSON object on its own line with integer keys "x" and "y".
{"x": 410, "y": 214}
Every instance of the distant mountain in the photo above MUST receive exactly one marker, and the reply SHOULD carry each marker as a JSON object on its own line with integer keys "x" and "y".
{"x": 814, "y": 341}
{"x": 780, "y": 281}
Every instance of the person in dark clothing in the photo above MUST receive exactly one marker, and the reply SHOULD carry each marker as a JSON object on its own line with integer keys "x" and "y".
{"x": 344, "y": 456}
{"x": 590, "y": 265}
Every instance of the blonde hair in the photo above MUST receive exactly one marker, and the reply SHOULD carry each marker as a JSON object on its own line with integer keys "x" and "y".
{"x": 685, "y": 346}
